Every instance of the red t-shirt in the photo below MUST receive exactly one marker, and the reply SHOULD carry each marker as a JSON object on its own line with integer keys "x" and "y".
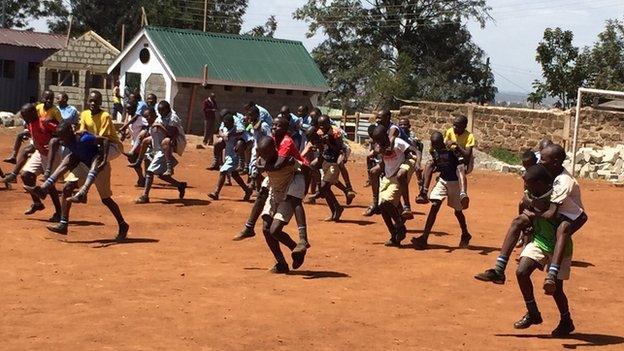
{"x": 42, "y": 130}
{"x": 287, "y": 148}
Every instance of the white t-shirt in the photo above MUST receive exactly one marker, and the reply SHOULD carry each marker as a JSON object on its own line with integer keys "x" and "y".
{"x": 567, "y": 194}
{"x": 393, "y": 161}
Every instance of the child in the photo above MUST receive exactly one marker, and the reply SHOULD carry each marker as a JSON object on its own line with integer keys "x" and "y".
{"x": 286, "y": 191}
{"x": 413, "y": 156}
{"x": 163, "y": 129}
{"x": 529, "y": 159}
{"x": 538, "y": 253}
{"x": 331, "y": 155}
{"x": 447, "y": 186}
{"x": 230, "y": 134}
{"x": 259, "y": 129}
{"x": 393, "y": 158}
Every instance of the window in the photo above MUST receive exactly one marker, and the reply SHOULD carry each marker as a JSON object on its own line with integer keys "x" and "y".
{"x": 227, "y": 87}
{"x": 33, "y": 70}
{"x": 68, "y": 78}
{"x": 97, "y": 81}
{"x": 144, "y": 55}
{"x": 7, "y": 69}
{"x": 249, "y": 90}
{"x": 270, "y": 91}
{"x": 289, "y": 92}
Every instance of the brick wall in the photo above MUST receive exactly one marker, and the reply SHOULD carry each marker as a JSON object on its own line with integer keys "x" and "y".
{"x": 518, "y": 129}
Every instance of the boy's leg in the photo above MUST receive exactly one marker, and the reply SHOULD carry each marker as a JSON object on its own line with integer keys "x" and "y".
{"x": 403, "y": 178}
{"x": 22, "y": 158}
{"x": 217, "y": 153}
{"x": 332, "y": 203}
{"x": 284, "y": 212}
{"x": 281, "y": 266}
{"x": 256, "y": 211}
{"x": 497, "y": 274}
{"x": 566, "y": 326}
{"x": 463, "y": 186}
{"x": 465, "y": 236}
{"x": 424, "y": 190}
{"x": 523, "y": 274}
{"x": 375, "y": 173}
{"x": 12, "y": 158}
{"x": 565, "y": 229}
{"x": 420, "y": 242}
{"x": 238, "y": 179}
{"x": 215, "y": 194}
{"x": 81, "y": 195}
{"x": 114, "y": 209}
{"x": 300, "y": 218}
{"x": 168, "y": 151}
{"x": 30, "y": 180}
{"x": 149, "y": 180}
{"x": 344, "y": 172}
{"x": 394, "y": 221}
{"x": 178, "y": 184}
{"x": 140, "y": 155}
{"x": 61, "y": 226}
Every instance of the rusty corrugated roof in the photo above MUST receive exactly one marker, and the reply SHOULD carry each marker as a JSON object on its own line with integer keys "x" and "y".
{"x": 31, "y": 39}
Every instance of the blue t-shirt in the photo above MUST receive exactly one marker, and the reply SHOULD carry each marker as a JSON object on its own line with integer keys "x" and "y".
{"x": 265, "y": 116}
{"x": 446, "y": 163}
{"x": 141, "y": 107}
{"x": 70, "y": 113}
{"x": 84, "y": 148}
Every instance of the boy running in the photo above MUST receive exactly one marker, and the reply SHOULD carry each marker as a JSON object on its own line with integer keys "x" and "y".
{"x": 331, "y": 155}
{"x": 447, "y": 187}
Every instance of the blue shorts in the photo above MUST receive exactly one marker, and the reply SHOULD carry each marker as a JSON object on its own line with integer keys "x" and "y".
{"x": 230, "y": 164}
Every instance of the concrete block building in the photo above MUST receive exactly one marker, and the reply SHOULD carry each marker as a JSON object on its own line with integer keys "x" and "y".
{"x": 170, "y": 63}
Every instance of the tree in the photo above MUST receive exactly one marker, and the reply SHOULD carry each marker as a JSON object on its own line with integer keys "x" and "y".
{"x": 366, "y": 46}
{"x": 538, "y": 95}
{"x": 17, "y": 13}
{"x": 558, "y": 58}
{"x": 107, "y": 16}
{"x": 603, "y": 64}
{"x": 267, "y": 30}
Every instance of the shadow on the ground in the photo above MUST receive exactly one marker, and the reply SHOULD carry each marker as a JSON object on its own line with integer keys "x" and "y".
{"x": 183, "y": 202}
{"x": 586, "y": 339}
{"x": 419, "y": 231}
{"x": 319, "y": 274}
{"x": 110, "y": 242}
{"x": 356, "y": 221}
{"x": 71, "y": 223}
{"x": 582, "y": 264}
{"x": 483, "y": 250}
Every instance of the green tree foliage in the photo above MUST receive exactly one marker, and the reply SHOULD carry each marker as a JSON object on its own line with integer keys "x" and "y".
{"x": 603, "y": 64}
{"x": 17, "y": 13}
{"x": 267, "y": 30}
{"x": 414, "y": 49}
{"x": 538, "y": 95}
{"x": 107, "y": 16}
{"x": 558, "y": 58}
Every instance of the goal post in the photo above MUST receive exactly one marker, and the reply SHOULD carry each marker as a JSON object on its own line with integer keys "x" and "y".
{"x": 581, "y": 92}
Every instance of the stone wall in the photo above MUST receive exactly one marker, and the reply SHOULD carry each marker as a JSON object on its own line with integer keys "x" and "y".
{"x": 518, "y": 129}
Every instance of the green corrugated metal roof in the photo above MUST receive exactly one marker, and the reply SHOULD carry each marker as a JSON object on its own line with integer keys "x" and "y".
{"x": 237, "y": 58}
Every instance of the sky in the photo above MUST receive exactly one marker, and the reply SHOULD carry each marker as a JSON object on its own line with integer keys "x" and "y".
{"x": 509, "y": 39}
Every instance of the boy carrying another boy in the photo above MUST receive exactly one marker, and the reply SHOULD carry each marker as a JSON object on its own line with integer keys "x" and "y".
{"x": 447, "y": 187}
{"x": 331, "y": 151}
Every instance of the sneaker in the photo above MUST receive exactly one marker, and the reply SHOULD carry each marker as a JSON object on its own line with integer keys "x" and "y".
{"x": 123, "y": 231}
{"x": 140, "y": 183}
{"x": 280, "y": 268}
{"x": 216, "y": 164}
{"x": 56, "y": 217}
{"x": 310, "y": 201}
{"x": 422, "y": 198}
{"x": 391, "y": 243}
{"x": 550, "y": 285}
{"x": 11, "y": 159}
{"x": 528, "y": 321}
{"x": 420, "y": 243}
{"x": 244, "y": 234}
{"x": 9, "y": 178}
{"x": 79, "y": 197}
{"x": 407, "y": 213}
{"x": 143, "y": 199}
{"x": 298, "y": 256}
{"x": 168, "y": 172}
{"x": 464, "y": 241}
{"x": 350, "y": 195}
{"x": 248, "y": 193}
{"x": 400, "y": 235}
{"x": 491, "y": 275}
{"x": 59, "y": 228}
{"x": 565, "y": 328}
{"x": 338, "y": 213}
{"x": 214, "y": 196}
{"x": 464, "y": 200}
{"x": 182, "y": 190}
{"x": 371, "y": 211}
{"x": 36, "y": 207}
{"x": 36, "y": 191}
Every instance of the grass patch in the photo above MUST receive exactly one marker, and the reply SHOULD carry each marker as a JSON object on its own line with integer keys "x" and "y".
{"x": 506, "y": 156}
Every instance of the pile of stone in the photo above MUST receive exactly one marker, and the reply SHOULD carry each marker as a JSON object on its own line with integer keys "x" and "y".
{"x": 599, "y": 163}
{"x": 8, "y": 119}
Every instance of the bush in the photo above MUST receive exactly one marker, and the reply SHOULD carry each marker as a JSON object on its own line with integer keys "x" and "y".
{"x": 506, "y": 156}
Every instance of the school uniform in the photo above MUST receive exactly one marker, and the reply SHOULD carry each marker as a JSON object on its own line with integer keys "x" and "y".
{"x": 542, "y": 247}
{"x": 389, "y": 189}
{"x": 447, "y": 186}
{"x": 158, "y": 161}
{"x": 464, "y": 140}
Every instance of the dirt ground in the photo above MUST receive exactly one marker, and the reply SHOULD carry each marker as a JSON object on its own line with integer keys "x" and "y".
{"x": 181, "y": 283}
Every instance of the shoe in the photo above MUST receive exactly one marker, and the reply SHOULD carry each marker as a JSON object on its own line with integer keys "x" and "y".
{"x": 59, "y": 228}
{"x": 168, "y": 172}
{"x": 550, "y": 285}
{"x": 422, "y": 198}
{"x": 123, "y": 231}
{"x": 36, "y": 191}
{"x": 9, "y": 178}
{"x": 337, "y": 214}
{"x": 491, "y": 275}
{"x": 216, "y": 164}
{"x": 56, "y": 217}
{"x": 79, "y": 197}
{"x": 182, "y": 190}
{"x": 280, "y": 268}
{"x": 400, "y": 235}
{"x": 464, "y": 200}
{"x": 565, "y": 328}
{"x": 214, "y": 196}
{"x": 528, "y": 321}
{"x": 248, "y": 193}
{"x": 36, "y": 207}
{"x": 310, "y": 201}
{"x": 391, "y": 243}
{"x": 143, "y": 199}
{"x": 244, "y": 234}
{"x": 11, "y": 159}
{"x": 464, "y": 241}
{"x": 350, "y": 195}
{"x": 420, "y": 243}
{"x": 298, "y": 256}
{"x": 371, "y": 211}
{"x": 140, "y": 183}
{"x": 407, "y": 214}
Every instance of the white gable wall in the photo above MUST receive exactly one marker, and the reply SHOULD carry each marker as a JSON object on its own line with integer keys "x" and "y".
{"x": 132, "y": 63}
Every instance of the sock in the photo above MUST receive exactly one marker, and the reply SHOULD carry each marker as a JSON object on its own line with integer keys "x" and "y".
{"x": 249, "y": 225}
{"x": 532, "y": 307}
{"x": 91, "y": 176}
{"x": 303, "y": 233}
{"x": 501, "y": 264}
{"x": 49, "y": 182}
{"x": 64, "y": 220}
{"x": 553, "y": 270}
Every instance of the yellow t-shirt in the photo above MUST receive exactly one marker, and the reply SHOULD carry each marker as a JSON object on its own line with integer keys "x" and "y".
{"x": 100, "y": 124}
{"x": 464, "y": 140}
{"x": 51, "y": 113}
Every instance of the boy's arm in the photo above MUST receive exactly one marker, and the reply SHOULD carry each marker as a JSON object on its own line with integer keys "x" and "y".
{"x": 128, "y": 123}
{"x": 280, "y": 163}
{"x": 53, "y": 147}
{"x": 551, "y": 212}
{"x": 103, "y": 144}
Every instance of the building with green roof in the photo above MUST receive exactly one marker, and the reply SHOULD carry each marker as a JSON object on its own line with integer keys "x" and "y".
{"x": 184, "y": 66}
